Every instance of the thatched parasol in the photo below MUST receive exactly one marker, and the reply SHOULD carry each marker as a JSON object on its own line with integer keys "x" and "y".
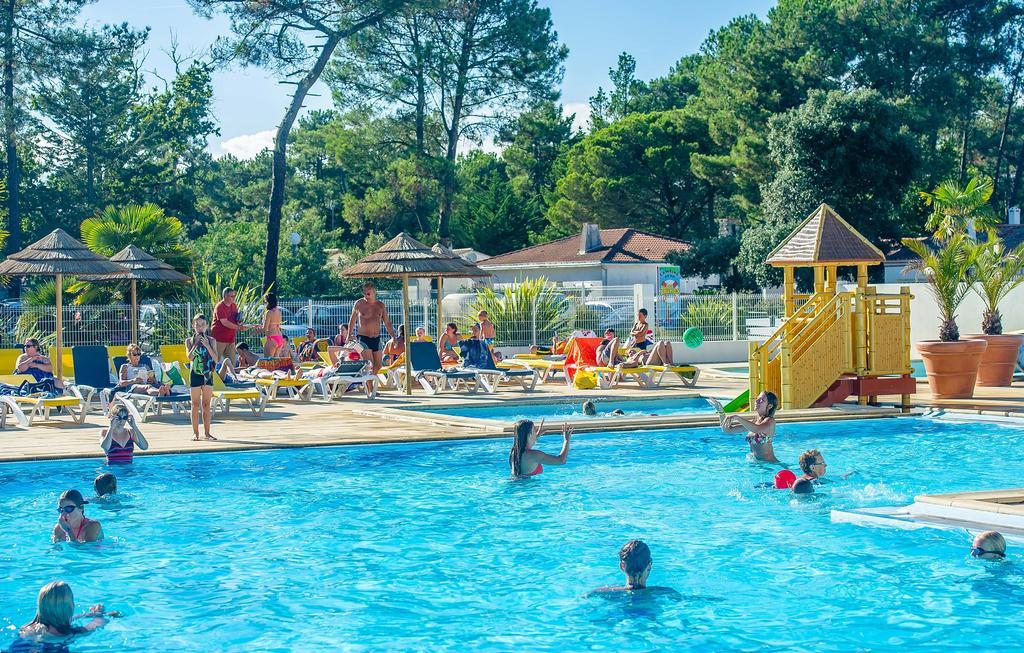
{"x": 57, "y": 255}
{"x": 472, "y": 271}
{"x": 141, "y": 267}
{"x": 405, "y": 257}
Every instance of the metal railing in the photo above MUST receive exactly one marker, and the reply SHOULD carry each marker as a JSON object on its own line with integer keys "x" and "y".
{"x": 519, "y": 324}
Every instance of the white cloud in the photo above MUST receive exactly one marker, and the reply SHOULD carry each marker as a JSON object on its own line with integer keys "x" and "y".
{"x": 582, "y": 110}
{"x": 247, "y": 146}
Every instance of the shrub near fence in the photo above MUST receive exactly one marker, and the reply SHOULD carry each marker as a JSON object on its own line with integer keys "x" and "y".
{"x": 524, "y": 315}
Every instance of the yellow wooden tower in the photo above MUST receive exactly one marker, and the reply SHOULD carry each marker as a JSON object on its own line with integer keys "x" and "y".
{"x": 832, "y": 343}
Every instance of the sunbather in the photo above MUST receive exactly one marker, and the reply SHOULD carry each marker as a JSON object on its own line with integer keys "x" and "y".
{"x": 660, "y": 353}
{"x": 395, "y": 347}
{"x": 307, "y": 350}
{"x": 446, "y": 346}
{"x": 136, "y": 377}
{"x": 35, "y": 364}
{"x": 474, "y": 350}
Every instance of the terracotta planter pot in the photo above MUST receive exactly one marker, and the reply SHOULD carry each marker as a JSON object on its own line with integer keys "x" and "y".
{"x": 952, "y": 367}
{"x": 997, "y": 362}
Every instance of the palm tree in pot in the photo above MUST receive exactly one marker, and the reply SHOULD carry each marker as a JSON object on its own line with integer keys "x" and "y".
{"x": 995, "y": 273}
{"x": 951, "y": 363}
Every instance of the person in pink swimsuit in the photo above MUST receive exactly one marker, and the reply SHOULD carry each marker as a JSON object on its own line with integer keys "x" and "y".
{"x": 72, "y": 524}
{"x": 527, "y": 461}
{"x": 276, "y": 344}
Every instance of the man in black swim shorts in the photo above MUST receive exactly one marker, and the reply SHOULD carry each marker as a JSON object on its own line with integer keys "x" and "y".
{"x": 371, "y": 312}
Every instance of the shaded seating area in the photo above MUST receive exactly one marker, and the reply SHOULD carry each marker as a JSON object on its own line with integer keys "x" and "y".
{"x": 429, "y": 373}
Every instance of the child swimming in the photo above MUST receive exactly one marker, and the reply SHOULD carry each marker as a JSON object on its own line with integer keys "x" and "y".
{"x": 119, "y": 439}
{"x": 760, "y": 430}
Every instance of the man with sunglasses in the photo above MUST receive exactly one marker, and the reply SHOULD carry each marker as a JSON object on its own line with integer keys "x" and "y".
{"x": 989, "y": 545}
{"x": 371, "y": 312}
{"x": 72, "y": 524}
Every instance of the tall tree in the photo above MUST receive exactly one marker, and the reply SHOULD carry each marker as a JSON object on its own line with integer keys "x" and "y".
{"x": 624, "y": 97}
{"x": 31, "y": 32}
{"x": 491, "y": 57}
{"x": 277, "y": 34}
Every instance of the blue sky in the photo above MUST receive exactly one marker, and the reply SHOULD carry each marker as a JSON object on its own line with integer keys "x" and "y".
{"x": 248, "y": 104}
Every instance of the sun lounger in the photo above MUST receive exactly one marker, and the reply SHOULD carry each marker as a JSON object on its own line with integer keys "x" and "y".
{"x": 609, "y": 376}
{"x": 26, "y": 409}
{"x": 254, "y": 398}
{"x": 175, "y": 354}
{"x": 428, "y": 372}
{"x": 344, "y": 375}
{"x": 505, "y": 372}
{"x": 9, "y": 359}
{"x": 148, "y": 404}
{"x": 93, "y": 381}
{"x": 296, "y": 389}
{"x": 688, "y": 374}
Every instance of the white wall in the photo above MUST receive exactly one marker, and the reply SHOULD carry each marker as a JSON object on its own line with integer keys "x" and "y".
{"x": 552, "y": 274}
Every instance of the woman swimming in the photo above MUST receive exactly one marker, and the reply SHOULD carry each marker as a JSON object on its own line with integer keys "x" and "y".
{"x": 760, "y": 430}
{"x": 72, "y": 524}
{"x": 55, "y": 607}
{"x": 527, "y": 461}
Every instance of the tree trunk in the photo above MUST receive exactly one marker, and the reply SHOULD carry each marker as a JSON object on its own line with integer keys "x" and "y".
{"x": 279, "y": 162}
{"x": 10, "y": 135}
{"x": 448, "y": 187}
{"x": 963, "y": 152}
{"x": 1006, "y": 121}
{"x": 1018, "y": 170}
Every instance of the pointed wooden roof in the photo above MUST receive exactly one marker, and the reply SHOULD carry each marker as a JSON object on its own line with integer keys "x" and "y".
{"x": 142, "y": 266}
{"x": 58, "y": 253}
{"x": 824, "y": 238}
{"x": 402, "y": 256}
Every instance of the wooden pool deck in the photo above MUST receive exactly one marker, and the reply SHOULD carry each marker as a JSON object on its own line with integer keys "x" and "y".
{"x": 357, "y": 420}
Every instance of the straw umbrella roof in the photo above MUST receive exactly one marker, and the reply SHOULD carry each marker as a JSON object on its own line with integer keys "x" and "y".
{"x": 402, "y": 256}
{"x": 824, "y": 238}
{"x": 57, "y": 254}
{"x": 472, "y": 270}
{"x": 144, "y": 267}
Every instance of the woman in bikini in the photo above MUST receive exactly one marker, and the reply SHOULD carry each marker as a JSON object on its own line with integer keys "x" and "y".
{"x": 760, "y": 430}
{"x": 119, "y": 439}
{"x": 446, "y": 345}
{"x": 202, "y": 351}
{"x": 527, "y": 461}
{"x": 72, "y": 525}
{"x": 276, "y": 343}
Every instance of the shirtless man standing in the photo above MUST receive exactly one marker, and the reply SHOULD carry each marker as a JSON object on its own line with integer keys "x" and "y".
{"x": 370, "y": 312}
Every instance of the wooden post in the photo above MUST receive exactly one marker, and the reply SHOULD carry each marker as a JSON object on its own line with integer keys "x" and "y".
{"x": 58, "y": 360}
{"x": 135, "y": 313}
{"x": 405, "y": 319}
{"x": 861, "y": 326}
{"x": 440, "y": 320}
{"x": 753, "y": 361}
{"x": 786, "y": 389}
{"x": 819, "y": 278}
{"x": 788, "y": 289}
{"x": 833, "y": 278}
{"x": 905, "y": 313}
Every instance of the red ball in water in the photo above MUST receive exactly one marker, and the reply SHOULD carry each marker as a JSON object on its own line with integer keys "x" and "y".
{"x": 784, "y": 479}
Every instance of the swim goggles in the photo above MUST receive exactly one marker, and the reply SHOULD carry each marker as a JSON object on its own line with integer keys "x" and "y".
{"x": 67, "y": 510}
{"x": 977, "y": 552}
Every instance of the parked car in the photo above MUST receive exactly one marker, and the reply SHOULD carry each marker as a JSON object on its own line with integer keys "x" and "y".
{"x": 324, "y": 320}
{"x": 612, "y": 314}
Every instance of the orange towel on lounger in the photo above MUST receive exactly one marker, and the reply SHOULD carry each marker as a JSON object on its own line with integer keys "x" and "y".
{"x": 582, "y": 353}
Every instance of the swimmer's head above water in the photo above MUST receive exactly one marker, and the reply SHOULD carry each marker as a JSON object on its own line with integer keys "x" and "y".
{"x": 990, "y": 545}
{"x": 813, "y": 463}
{"x": 803, "y": 486}
{"x": 589, "y": 407}
{"x": 635, "y": 561}
{"x": 766, "y": 404}
{"x": 524, "y": 436}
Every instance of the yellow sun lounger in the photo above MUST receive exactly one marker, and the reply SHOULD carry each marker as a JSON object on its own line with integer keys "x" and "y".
{"x": 688, "y": 374}
{"x": 611, "y": 376}
{"x": 36, "y": 406}
{"x": 223, "y": 396}
{"x": 298, "y": 389}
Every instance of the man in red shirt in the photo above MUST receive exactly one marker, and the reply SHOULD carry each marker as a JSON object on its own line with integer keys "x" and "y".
{"x": 226, "y": 324}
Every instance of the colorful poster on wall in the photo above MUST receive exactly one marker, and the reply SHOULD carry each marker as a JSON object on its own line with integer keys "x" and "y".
{"x": 669, "y": 280}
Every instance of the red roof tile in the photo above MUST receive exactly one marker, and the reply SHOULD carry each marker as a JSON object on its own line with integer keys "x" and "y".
{"x": 617, "y": 246}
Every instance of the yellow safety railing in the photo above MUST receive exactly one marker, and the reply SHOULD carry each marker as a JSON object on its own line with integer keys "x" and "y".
{"x": 853, "y": 332}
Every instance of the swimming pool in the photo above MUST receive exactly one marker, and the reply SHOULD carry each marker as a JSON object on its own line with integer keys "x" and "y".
{"x": 430, "y": 547}
{"x": 916, "y": 366}
{"x": 573, "y": 410}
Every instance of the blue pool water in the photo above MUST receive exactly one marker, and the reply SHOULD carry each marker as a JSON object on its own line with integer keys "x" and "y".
{"x": 430, "y": 547}
{"x": 511, "y": 412}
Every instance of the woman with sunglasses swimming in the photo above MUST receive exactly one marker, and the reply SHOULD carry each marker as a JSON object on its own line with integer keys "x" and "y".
{"x": 527, "y": 461}
{"x": 35, "y": 364}
{"x": 118, "y": 440}
{"x": 72, "y": 524}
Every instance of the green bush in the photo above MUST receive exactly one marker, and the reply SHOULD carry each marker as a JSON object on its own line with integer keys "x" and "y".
{"x": 512, "y": 312}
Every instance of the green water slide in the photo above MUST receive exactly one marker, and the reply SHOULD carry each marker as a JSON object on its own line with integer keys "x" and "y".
{"x": 739, "y": 404}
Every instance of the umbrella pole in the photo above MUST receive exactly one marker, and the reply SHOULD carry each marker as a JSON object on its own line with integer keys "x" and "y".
{"x": 405, "y": 320}
{"x": 135, "y": 314}
{"x": 59, "y": 360}
{"x": 440, "y": 327}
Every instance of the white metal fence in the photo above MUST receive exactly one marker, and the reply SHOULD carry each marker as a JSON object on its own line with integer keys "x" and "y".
{"x": 719, "y": 317}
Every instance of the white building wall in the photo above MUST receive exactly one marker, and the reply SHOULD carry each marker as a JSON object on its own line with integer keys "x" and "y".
{"x": 558, "y": 275}
{"x": 620, "y": 274}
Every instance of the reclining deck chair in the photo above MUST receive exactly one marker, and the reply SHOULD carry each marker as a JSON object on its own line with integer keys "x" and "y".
{"x": 148, "y": 404}
{"x": 36, "y": 406}
{"x": 93, "y": 381}
{"x": 505, "y": 372}
{"x": 343, "y": 375}
{"x": 428, "y": 372}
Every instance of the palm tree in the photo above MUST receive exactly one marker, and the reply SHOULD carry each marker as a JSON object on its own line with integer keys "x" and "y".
{"x": 947, "y": 271}
{"x": 147, "y": 227}
{"x": 955, "y": 207}
{"x": 996, "y": 272}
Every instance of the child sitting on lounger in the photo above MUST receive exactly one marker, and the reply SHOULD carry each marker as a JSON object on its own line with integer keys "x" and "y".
{"x": 760, "y": 430}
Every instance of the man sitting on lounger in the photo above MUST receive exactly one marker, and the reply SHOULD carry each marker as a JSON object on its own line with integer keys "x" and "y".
{"x": 474, "y": 350}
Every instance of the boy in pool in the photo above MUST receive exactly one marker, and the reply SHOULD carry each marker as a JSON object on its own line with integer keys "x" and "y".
{"x": 760, "y": 430}
{"x": 105, "y": 484}
{"x": 589, "y": 408}
{"x": 635, "y": 562}
{"x": 990, "y": 545}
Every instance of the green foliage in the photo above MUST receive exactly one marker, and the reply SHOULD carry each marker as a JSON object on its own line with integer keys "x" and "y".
{"x": 489, "y": 215}
{"x": 708, "y": 310}
{"x": 515, "y": 306}
{"x": 996, "y": 272}
{"x": 710, "y": 257}
{"x": 846, "y": 149}
{"x": 636, "y": 173}
{"x": 947, "y": 270}
{"x": 954, "y": 207}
